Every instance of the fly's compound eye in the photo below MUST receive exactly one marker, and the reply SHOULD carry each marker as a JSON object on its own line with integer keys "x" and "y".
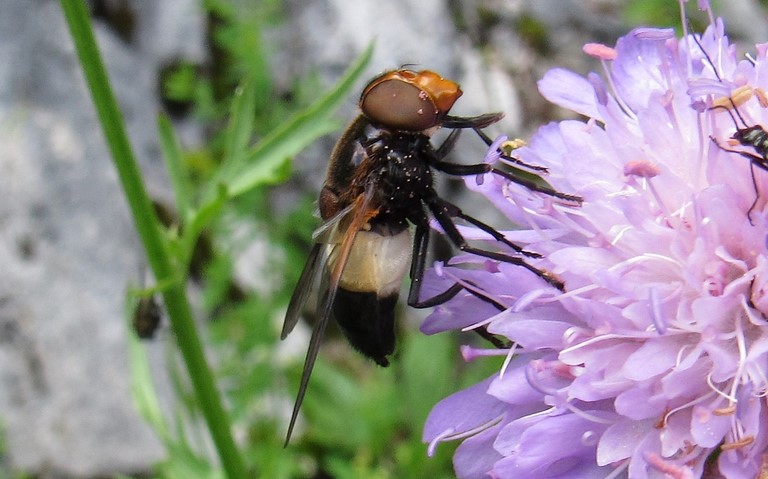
{"x": 407, "y": 100}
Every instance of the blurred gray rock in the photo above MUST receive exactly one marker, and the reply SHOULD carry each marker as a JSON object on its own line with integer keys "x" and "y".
{"x": 67, "y": 243}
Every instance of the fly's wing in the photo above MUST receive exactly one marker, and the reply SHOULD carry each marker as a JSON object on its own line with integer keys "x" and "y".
{"x": 316, "y": 261}
{"x": 361, "y": 212}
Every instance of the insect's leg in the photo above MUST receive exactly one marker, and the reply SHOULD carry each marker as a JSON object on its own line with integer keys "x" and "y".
{"x": 757, "y": 192}
{"x": 482, "y": 168}
{"x": 477, "y": 123}
{"x": 448, "y": 144}
{"x": 442, "y": 210}
{"x": 418, "y": 265}
{"x": 457, "y": 213}
{"x": 420, "y": 249}
{"x": 754, "y": 160}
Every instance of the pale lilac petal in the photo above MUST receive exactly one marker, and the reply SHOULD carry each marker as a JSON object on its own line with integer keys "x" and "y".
{"x": 620, "y": 441}
{"x": 476, "y": 455}
{"x": 570, "y": 441}
{"x": 445, "y": 414}
{"x": 570, "y": 91}
{"x": 651, "y": 359}
{"x": 707, "y": 427}
{"x": 533, "y": 333}
{"x": 513, "y": 387}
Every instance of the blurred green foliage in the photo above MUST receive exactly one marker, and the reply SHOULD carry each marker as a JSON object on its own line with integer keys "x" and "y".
{"x": 665, "y": 14}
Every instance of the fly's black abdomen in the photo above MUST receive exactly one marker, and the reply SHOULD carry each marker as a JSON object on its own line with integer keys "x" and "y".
{"x": 368, "y": 322}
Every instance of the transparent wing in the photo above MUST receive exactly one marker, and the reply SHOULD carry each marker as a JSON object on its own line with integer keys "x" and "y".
{"x": 359, "y": 213}
{"x": 327, "y": 233}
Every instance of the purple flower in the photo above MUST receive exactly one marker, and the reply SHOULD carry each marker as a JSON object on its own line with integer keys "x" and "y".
{"x": 654, "y": 362}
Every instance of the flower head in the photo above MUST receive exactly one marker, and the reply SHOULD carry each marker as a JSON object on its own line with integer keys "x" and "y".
{"x": 654, "y": 361}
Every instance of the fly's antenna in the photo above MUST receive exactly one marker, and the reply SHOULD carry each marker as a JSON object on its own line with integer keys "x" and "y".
{"x": 720, "y": 79}
{"x": 408, "y": 65}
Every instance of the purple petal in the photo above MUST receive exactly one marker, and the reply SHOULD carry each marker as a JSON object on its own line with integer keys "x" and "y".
{"x": 708, "y": 428}
{"x": 475, "y": 457}
{"x": 570, "y": 91}
{"x": 620, "y": 440}
{"x": 462, "y": 412}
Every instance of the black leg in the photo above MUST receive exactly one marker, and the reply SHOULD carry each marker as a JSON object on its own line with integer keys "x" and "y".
{"x": 441, "y": 209}
{"x": 533, "y": 185}
{"x": 418, "y": 263}
{"x": 499, "y": 344}
{"x": 522, "y": 178}
{"x": 419, "y": 258}
{"x": 754, "y": 160}
{"x": 455, "y": 212}
{"x": 447, "y": 145}
{"x": 757, "y": 192}
{"x": 482, "y": 168}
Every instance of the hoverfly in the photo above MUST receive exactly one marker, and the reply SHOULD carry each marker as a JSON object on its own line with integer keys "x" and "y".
{"x": 379, "y": 180}
{"x": 754, "y": 136}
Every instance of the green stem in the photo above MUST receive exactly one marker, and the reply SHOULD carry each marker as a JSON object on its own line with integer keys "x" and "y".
{"x": 147, "y": 225}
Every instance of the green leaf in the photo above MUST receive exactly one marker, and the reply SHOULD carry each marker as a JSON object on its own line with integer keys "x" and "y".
{"x": 175, "y": 164}
{"x": 265, "y": 163}
{"x": 239, "y": 131}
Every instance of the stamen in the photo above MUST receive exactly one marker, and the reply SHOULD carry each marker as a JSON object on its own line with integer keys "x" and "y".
{"x": 599, "y": 51}
{"x": 469, "y": 353}
{"x": 687, "y": 405}
{"x": 641, "y": 168}
{"x": 719, "y": 392}
{"x": 512, "y": 145}
{"x": 533, "y": 380}
{"x": 669, "y": 469}
{"x": 658, "y": 34}
{"x": 746, "y": 441}
{"x": 738, "y": 98}
{"x": 448, "y": 434}
{"x": 585, "y": 415}
{"x": 659, "y": 321}
{"x": 507, "y": 360}
{"x": 762, "y": 97}
{"x": 438, "y": 439}
{"x": 493, "y": 153}
{"x": 725, "y": 411}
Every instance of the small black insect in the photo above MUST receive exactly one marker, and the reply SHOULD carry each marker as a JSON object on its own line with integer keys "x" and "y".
{"x": 379, "y": 181}
{"x": 753, "y": 136}
{"x": 147, "y": 316}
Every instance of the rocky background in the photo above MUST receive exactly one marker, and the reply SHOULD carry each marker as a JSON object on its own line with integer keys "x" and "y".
{"x": 67, "y": 246}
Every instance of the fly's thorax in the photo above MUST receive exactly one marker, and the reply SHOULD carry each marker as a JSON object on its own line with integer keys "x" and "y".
{"x": 402, "y": 170}
{"x": 377, "y": 263}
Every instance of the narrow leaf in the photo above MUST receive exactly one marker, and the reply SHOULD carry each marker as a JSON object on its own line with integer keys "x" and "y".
{"x": 174, "y": 162}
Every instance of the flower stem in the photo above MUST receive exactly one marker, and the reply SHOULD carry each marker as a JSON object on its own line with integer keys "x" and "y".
{"x": 147, "y": 225}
